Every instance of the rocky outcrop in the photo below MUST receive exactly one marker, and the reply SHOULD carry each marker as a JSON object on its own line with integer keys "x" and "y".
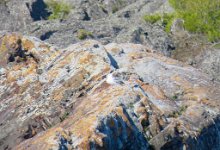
{"x": 196, "y": 51}
{"x": 208, "y": 61}
{"x": 15, "y": 15}
{"x": 107, "y": 21}
{"x": 94, "y": 96}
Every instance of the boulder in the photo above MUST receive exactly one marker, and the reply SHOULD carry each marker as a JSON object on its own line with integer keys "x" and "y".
{"x": 95, "y": 96}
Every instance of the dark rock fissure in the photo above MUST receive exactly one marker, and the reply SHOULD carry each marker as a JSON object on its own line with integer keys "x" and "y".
{"x": 86, "y": 16}
{"x": 112, "y": 61}
{"x": 19, "y": 54}
{"x": 38, "y": 10}
{"x": 116, "y": 30}
{"x": 30, "y": 132}
{"x": 122, "y": 142}
{"x": 47, "y": 35}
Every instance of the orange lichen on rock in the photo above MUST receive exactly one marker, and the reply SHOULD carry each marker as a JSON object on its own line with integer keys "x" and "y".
{"x": 91, "y": 96}
{"x": 27, "y": 44}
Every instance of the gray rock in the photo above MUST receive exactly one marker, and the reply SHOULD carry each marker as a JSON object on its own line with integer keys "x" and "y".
{"x": 108, "y": 21}
{"x": 209, "y": 62}
{"x": 156, "y": 100}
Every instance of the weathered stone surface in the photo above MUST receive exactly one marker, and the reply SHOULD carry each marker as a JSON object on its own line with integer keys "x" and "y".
{"x": 209, "y": 62}
{"x": 15, "y": 14}
{"x": 119, "y": 21}
{"x": 108, "y": 21}
{"x": 194, "y": 51}
{"x": 94, "y": 96}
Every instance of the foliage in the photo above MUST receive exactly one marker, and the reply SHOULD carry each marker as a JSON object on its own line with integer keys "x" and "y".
{"x": 178, "y": 113}
{"x": 64, "y": 116}
{"x": 58, "y": 9}
{"x": 200, "y": 16}
{"x": 83, "y": 34}
{"x": 153, "y": 18}
{"x": 174, "y": 97}
{"x": 165, "y": 18}
{"x": 116, "y": 5}
{"x": 168, "y": 21}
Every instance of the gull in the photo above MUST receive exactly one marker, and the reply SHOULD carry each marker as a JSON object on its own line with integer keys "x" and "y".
{"x": 113, "y": 79}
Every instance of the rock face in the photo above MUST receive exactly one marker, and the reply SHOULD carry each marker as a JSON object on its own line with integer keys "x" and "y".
{"x": 94, "y": 96}
{"x": 209, "y": 62}
{"x": 194, "y": 51}
{"x": 15, "y": 14}
{"x": 107, "y": 20}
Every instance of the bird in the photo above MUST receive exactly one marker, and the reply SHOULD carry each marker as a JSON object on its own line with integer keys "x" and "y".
{"x": 113, "y": 79}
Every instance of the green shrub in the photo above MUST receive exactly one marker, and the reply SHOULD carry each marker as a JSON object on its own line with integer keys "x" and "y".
{"x": 200, "y": 16}
{"x": 58, "y": 9}
{"x": 64, "y": 116}
{"x": 174, "y": 97}
{"x": 168, "y": 21}
{"x": 165, "y": 18}
{"x": 153, "y": 18}
{"x": 83, "y": 34}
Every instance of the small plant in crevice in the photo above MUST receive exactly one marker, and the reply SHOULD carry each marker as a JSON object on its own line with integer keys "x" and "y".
{"x": 83, "y": 34}
{"x": 148, "y": 138}
{"x": 58, "y": 9}
{"x": 177, "y": 95}
{"x": 130, "y": 106}
{"x": 174, "y": 97}
{"x": 64, "y": 116}
{"x": 199, "y": 130}
{"x": 117, "y": 5}
{"x": 174, "y": 115}
{"x": 153, "y": 18}
{"x": 178, "y": 113}
{"x": 182, "y": 109}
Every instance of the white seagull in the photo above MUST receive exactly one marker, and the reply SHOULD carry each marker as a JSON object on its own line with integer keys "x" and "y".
{"x": 113, "y": 80}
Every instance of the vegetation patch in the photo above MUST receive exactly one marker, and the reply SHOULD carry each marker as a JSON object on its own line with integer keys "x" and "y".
{"x": 174, "y": 97}
{"x": 58, "y": 9}
{"x": 164, "y": 19}
{"x": 117, "y": 5}
{"x": 64, "y": 116}
{"x": 153, "y": 18}
{"x": 178, "y": 113}
{"x": 200, "y": 16}
{"x": 83, "y": 34}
